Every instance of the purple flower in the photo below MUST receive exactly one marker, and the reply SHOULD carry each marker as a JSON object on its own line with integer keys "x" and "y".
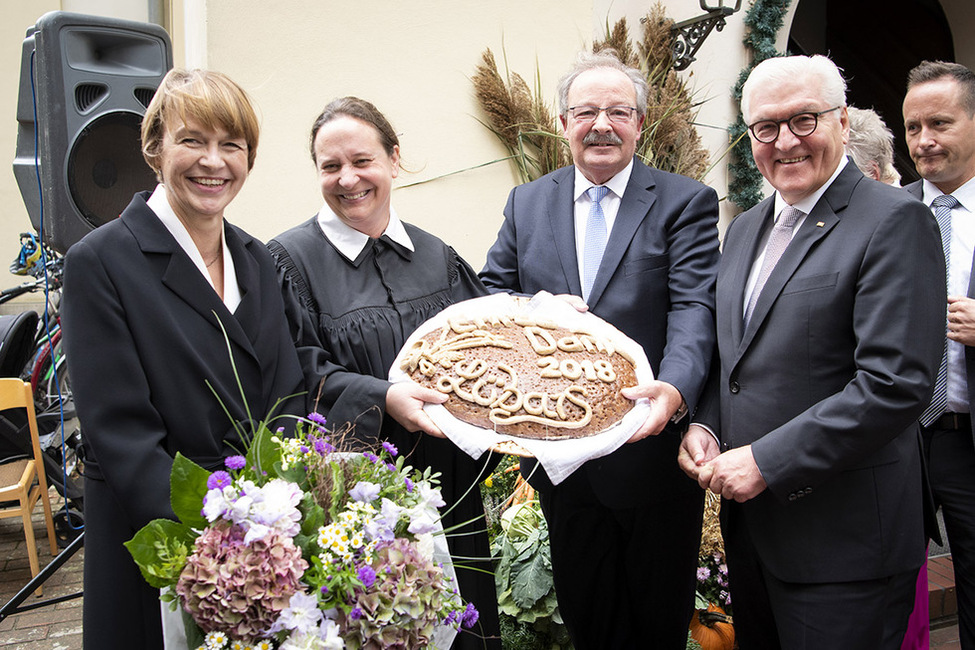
{"x": 371, "y": 457}
{"x": 409, "y": 485}
{"x": 355, "y": 614}
{"x": 303, "y": 449}
{"x": 391, "y": 448}
{"x": 451, "y": 618}
{"x": 367, "y": 576}
{"x": 317, "y": 418}
{"x": 703, "y": 573}
{"x": 321, "y": 445}
{"x": 470, "y": 616}
{"x": 235, "y": 462}
{"x": 218, "y": 480}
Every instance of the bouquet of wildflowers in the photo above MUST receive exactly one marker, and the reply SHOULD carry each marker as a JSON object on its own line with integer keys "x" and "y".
{"x": 296, "y": 545}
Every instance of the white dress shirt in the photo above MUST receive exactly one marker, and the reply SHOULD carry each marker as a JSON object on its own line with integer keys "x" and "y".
{"x": 959, "y": 274}
{"x": 610, "y": 203}
{"x": 159, "y": 203}
{"x": 350, "y": 241}
{"x": 805, "y": 206}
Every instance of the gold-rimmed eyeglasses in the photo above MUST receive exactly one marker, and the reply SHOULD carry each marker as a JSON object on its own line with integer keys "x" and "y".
{"x": 801, "y": 125}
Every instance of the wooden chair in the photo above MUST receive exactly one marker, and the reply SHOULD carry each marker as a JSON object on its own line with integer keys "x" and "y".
{"x": 23, "y": 481}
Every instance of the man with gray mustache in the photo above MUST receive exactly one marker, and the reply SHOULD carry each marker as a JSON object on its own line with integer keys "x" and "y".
{"x": 639, "y": 248}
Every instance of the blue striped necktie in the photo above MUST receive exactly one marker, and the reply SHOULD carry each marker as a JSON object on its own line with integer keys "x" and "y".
{"x": 939, "y": 400}
{"x": 596, "y": 236}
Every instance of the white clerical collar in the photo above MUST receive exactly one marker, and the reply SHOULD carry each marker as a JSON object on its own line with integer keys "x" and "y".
{"x": 807, "y": 204}
{"x": 350, "y": 241}
{"x": 159, "y": 203}
{"x": 965, "y": 194}
{"x": 616, "y": 185}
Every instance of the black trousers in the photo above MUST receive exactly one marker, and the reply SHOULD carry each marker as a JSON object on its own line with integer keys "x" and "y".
{"x": 951, "y": 470}
{"x": 625, "y": 578}
{"x": 772, "y": 614}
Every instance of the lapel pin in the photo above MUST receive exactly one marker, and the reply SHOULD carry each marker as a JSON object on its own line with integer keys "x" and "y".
{"x": 820, "y": 224}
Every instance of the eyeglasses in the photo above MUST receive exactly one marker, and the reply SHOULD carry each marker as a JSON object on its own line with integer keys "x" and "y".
{"x": 801, "y": 125}
{"x": 588, "y": 114}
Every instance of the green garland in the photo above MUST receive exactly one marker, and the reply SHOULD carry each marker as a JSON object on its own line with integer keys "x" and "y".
{"x": 763, "y": 21}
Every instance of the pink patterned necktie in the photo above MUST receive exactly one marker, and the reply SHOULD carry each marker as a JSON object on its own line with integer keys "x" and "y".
{"x": 778, "y": 241}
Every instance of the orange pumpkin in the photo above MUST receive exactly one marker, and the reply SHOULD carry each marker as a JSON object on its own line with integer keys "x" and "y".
{"x": 713, "y": 629}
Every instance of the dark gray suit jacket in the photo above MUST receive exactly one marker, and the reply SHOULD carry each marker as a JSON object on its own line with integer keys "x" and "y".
{"x": 828, "y": 379}
{"x": 655, "y": 283}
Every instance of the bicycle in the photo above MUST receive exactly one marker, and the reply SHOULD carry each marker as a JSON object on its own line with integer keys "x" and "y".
{"x": 41, "y": 363}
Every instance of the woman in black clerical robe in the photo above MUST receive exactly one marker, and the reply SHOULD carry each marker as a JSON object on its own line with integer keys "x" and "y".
{"x": 357, "y": 282}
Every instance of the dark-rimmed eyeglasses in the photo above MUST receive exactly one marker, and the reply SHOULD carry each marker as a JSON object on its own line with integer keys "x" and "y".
{"x": 801, "y": 125}
{"x": 588, "y": 114}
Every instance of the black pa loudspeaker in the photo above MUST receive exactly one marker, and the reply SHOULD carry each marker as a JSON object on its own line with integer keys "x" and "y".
{"x": 85, "y": 83}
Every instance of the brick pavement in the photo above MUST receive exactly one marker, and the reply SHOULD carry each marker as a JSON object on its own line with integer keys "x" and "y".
{"x": 58, "y": 626}
{"x": 52, "y": 627}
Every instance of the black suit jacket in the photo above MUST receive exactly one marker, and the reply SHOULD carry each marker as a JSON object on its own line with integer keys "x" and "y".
{"x": 828, "y": 378}
{"x": 655, "y": 284}
{"x": 142, "y": 331}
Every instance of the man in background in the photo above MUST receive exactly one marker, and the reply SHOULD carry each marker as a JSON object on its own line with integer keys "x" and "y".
{"x": 939, "y": 122}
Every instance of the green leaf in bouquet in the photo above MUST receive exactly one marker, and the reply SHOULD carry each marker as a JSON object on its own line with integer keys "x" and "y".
{"x": 263, "y": 454}
{"x": 294, "y": 473}
{"x": 195, "y": 638}
{"x": 313, "y": 518}
{"x": 188, "y": 486}
{"x": 313, "y": 515}
{"x": 160, "y": 548}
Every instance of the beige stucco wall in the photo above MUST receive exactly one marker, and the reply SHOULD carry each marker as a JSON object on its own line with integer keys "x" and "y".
{"x": 413, "y": 60}
{"x": 17, "y": 17}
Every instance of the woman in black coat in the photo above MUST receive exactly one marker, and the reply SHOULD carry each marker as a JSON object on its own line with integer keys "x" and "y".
{"x": 147, "y": 298}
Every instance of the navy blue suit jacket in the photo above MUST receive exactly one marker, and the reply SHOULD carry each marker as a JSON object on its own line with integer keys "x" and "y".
{"x": 655, "y": 284}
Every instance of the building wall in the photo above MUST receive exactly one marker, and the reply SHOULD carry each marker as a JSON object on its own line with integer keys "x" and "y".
{"x": 413, "y": 60}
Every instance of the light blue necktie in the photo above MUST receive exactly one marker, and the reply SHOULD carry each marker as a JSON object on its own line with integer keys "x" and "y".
{"x": 939, "y": 400}
{"x": 595, "y": 242}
